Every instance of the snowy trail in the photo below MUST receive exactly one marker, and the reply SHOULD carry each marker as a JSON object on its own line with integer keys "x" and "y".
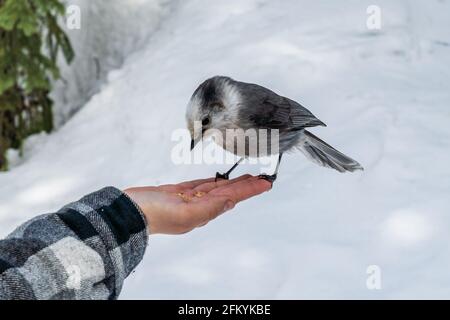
{"x": 384, "y": 97}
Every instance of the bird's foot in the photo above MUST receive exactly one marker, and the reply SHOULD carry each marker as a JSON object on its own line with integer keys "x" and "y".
{"x": 222, "y": 176}
{"x": 266, "y": 177}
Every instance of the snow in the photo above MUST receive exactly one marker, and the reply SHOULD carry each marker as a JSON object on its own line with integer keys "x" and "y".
{"x": 109, "y": 32}
{"x": 384, "y": 96}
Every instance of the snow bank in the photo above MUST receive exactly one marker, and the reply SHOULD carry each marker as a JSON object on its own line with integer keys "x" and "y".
{"x": 110, "y": 31}
{"x": 385, "y": 98}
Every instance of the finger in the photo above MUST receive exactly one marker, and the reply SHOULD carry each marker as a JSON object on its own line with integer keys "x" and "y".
{"x": 243, "y": 190}
{"x": 184, "y": 185}
{"x": 194, "y": 183}
{"x": 171, "y": 188}
{"x": 208, "y": 186}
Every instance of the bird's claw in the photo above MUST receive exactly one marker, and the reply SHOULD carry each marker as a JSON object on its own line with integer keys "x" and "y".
{"x": 266, "y": 177}
{"x": 222, "y": 176}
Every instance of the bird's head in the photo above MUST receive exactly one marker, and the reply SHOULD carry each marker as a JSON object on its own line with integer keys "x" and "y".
{"x": 214, "y": 105}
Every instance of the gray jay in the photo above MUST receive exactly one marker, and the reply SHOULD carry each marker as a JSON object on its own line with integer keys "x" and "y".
{"x": 221, "y": 103}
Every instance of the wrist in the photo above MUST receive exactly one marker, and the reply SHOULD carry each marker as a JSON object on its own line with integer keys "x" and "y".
{"x": 133, "y": 195}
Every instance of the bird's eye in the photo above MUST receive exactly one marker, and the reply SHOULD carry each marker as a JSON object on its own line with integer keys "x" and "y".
{"x": 205, "y": 121}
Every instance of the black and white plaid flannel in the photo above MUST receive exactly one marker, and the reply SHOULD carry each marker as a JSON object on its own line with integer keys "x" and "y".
{"x": 84, "y": 251}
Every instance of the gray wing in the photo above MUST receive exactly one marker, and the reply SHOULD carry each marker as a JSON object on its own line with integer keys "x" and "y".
{"x": 266, "y": 109}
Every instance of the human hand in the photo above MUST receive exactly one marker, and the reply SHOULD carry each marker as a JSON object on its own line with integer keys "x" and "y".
{"x": 180, "y": 208}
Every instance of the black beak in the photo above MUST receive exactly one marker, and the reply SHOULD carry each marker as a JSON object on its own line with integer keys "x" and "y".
{"x": 194, "y": 142}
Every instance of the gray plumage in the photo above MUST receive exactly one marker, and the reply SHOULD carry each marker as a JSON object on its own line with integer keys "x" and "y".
{"x": 224, "y": 103}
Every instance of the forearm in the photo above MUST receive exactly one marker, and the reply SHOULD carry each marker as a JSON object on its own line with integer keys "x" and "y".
{"x": 84, "y": 251}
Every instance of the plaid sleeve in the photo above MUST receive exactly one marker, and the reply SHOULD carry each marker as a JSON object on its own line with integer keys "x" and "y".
{"x": 84, "y": 251}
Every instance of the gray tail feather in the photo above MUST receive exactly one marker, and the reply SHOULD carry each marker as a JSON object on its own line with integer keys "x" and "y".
{"x": 325, "y": 155}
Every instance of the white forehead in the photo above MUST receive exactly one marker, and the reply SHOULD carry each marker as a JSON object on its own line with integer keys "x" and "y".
{"x": 228, "y": 93}
{"x": 193, "y": 110}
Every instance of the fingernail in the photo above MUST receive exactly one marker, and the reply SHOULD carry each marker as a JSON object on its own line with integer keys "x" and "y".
{"x": 228, "y": 205}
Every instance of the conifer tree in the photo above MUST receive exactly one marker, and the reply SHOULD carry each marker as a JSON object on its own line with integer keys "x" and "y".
{"x": 30, "y": 41}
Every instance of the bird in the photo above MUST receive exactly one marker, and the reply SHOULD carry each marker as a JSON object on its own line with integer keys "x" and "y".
{"x": 222, "y": 103}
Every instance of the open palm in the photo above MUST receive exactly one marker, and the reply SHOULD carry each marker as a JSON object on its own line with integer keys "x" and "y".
{"x": 179, "y": 208}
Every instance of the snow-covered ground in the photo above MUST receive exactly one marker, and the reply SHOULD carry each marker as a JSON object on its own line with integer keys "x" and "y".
{"x": 110, "y": 31}
{"x": 384, "y": 96}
